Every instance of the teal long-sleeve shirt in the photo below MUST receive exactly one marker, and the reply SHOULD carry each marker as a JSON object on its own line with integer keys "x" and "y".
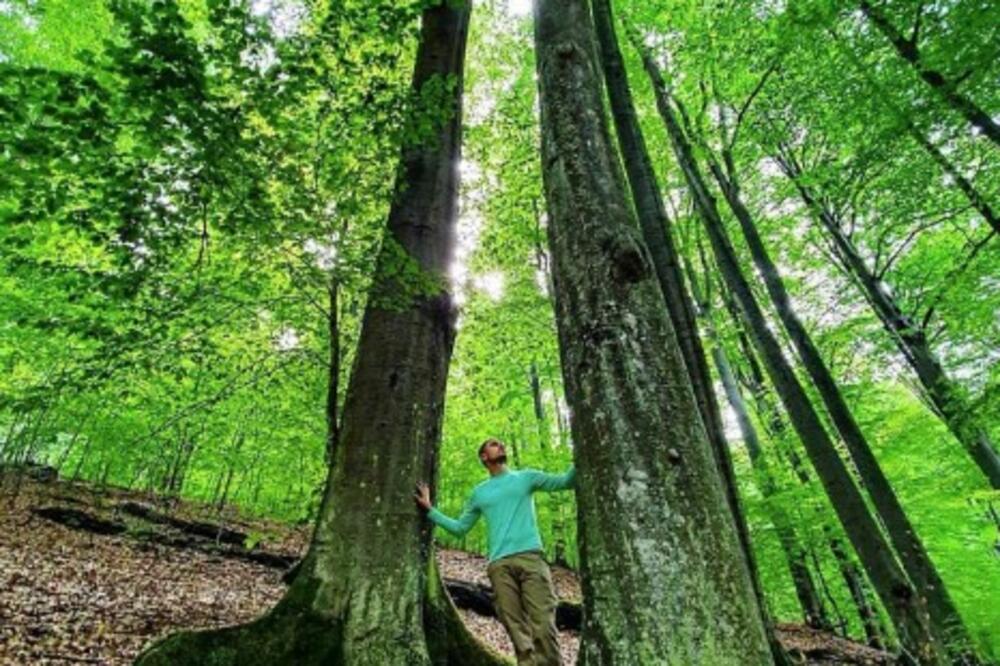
{"x": 506, "y": 502}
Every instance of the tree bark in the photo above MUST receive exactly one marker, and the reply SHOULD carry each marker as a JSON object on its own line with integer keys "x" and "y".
{"x": 655, "y": 226}
{"x": 904, "y": 605}
{"x": 945, "y": 619}
{"x": 368, "y": 591}
{"x": 333, "y": 373}
{"x": 663, "y": 576}
{"x": 910, "y": 52}
{"x": 941, "y": 391}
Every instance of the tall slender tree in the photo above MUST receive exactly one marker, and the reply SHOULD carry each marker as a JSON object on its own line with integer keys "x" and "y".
{"x": 942, "y": 392}
{"x": 664, "y": 580}
{"x": 367, "y": 592}
{"x": 904, "y": 604}
{"x": 774, "y": 424}
{"x": 806, "y": 589}
{"x": 945, "y": 619}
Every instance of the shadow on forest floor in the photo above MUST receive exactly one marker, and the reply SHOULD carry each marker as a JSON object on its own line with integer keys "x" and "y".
{"x": 89, "y": 577}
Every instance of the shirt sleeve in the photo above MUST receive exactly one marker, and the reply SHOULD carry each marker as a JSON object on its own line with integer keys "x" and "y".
{"x": 470, "y": 514}
{"x": 551, "y": 482}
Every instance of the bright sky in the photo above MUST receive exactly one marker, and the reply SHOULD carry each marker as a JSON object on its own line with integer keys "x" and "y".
{"x": 519, "y": 7}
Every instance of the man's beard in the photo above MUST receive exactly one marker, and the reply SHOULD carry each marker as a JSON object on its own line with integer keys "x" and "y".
{"x": 501, "y": 459}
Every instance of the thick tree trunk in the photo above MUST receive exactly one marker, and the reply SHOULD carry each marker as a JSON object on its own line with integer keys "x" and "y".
{"x": 664, "y": 579}
{"x": 945, "y": 620}
{"x": 367, "y": 592}
{"x": 942, "y": 393}
{"x": 655, "y": 226}
{"x": 906, "y": 607}
{"x": 948, "y": 90}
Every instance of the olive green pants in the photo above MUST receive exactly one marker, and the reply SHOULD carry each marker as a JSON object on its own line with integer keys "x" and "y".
{"x": 526, "y": 605}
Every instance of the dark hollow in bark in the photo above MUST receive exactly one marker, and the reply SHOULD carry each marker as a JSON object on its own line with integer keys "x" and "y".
{"x": 663, "y": 575}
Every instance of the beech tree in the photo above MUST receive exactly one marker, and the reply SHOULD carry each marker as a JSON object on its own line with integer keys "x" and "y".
{"x": 367, "y": 591}
{"x": 664, "y": 579}
{"x": 910, "y": 336}
{"x": 904, "y": 605}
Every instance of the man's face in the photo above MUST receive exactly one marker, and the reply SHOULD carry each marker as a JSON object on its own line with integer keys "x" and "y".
{"x": 494, "y": 452}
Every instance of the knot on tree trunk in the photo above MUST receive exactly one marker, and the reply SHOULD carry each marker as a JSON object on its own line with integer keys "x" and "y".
{"x": 628, "y": 261}
{"x": 565, "y": 50}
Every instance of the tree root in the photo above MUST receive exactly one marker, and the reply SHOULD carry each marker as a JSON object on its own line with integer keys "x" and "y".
{"x": 293, "y": 634}
{"x": 285, "y": 636}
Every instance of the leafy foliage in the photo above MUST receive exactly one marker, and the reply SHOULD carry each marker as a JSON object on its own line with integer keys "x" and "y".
{"x": 189, "y": 190}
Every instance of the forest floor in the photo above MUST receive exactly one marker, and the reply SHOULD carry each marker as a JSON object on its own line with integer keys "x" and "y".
{"x": 72, "y": 595}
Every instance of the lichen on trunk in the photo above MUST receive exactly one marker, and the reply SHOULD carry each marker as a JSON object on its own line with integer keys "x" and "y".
{"x": 662, "y": 572}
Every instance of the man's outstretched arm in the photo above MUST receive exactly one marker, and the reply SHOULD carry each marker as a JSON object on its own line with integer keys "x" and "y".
{"x": 469, "y": 516}
{"x": 550, "y": 482}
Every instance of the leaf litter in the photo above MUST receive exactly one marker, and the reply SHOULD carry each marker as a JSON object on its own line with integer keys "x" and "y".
{"x": 70, "y": 596}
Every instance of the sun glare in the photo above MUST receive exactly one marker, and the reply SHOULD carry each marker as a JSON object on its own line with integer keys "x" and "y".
{"x": 519, "y": 7}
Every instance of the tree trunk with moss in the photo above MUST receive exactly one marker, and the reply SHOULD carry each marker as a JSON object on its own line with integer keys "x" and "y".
{"x": 806, "y": 590}
{"x": 655, "y": 226}
{"x": 903, "y": 603}
{"x": 368, "y": 593}
{"x": 664, "y": 580}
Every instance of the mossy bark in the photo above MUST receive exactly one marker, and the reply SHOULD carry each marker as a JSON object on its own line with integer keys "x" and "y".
{"x": 656, "y": 232}
{"x": 663, "y": 576}
{"x": 367, "y": 593}
{"x": 906, "y": 607}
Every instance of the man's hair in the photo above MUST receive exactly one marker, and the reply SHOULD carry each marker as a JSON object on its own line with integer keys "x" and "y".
{"x": 487, "y": 442}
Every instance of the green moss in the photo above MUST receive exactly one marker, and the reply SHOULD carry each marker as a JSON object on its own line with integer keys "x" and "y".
{"x": 284, "y": 636}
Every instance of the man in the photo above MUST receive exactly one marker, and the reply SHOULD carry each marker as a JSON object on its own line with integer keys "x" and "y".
{"x": 522, "y": 584}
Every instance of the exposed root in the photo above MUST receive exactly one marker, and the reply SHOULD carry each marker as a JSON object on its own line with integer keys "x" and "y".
{"x": 295, "y": 635}
{"x": 288, "y": 635}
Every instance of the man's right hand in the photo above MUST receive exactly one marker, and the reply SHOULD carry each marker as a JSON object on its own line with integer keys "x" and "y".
{"x": 423, "y": 497}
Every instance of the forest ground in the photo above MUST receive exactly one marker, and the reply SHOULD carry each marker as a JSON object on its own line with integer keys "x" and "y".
{"x": 72, "y": 595}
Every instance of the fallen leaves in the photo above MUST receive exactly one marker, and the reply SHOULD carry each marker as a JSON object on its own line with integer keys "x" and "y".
{"x": 69, "y": 596}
